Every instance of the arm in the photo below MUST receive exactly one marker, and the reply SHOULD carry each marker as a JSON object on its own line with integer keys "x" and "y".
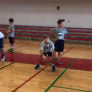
{"x": 65, "y": 31}
{"x": 41, "y": 51}
{"x": 53, "y": 47}
{"x": 42, "y": 48}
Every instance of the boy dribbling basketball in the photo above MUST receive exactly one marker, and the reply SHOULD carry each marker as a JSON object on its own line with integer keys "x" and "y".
{"x": 47, "y": 48}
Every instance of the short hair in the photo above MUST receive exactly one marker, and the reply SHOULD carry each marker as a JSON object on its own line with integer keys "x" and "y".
{"x": 60, "y": 21}
{"x": 11, "y": 20}
{"x": 45, "y": 37}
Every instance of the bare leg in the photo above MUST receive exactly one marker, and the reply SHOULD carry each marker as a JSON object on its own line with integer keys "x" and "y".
{"x": 53, "y": 66}
{"x": 59, "y": 56}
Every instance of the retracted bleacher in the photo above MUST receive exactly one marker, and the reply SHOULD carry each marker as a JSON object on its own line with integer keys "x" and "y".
{"x": 38, "y": 33}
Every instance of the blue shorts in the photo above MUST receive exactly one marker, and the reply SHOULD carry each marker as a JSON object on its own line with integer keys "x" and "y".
{"x": 59, "y": 46}
{"x": 1, "y": 42}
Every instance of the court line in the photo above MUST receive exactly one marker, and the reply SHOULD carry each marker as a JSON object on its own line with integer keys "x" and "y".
{"x": 28, "y": 79}
{"x": 12, "y": 58}
{"x": 60, "y": 75}
{"x": 6, "y": 66}
{"x": 72, "y": 89}
{"x": 36, "y": 74}
{"x": 26, "y": 45}
{"x": 21, "y": 46}
{"x": 67, "y": 50}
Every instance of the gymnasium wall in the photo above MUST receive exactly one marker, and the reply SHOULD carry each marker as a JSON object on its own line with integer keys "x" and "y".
{"x": 78, "y": 13}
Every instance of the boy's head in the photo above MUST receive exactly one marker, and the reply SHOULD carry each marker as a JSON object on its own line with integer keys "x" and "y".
{"x": 11, "y": 20}
{"x": 59, "y": 22}
{"x": 46, "y": 39}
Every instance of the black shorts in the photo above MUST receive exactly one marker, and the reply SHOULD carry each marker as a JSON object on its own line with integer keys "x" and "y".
{"x": 48, "y": 54}
{"x": 59, "y": 46}
{"x": 1, "y": 42}
{"x": 11, "y": 40}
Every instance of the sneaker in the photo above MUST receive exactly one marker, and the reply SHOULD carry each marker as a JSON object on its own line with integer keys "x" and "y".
{"x": 37, "y": 67}
{"x": 3, "y": 59}
{"x": 9, "y": 50}
{"x": 53, "y": 69}
{"x": 12, "y": 50}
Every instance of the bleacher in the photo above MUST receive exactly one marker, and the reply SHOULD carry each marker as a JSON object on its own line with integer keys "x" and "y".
{"x": 38, "y": 33}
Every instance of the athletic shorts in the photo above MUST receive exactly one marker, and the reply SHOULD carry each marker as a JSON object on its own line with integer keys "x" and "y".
{"x": 1, "y": 42}
{"x": 11, "y": 40}
{"x": 59, "y": 46}
{"x": 48, "y": 54}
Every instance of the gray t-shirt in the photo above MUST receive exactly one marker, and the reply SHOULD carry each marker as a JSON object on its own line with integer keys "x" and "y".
{"x": 47, "y": 47}
{"x": 11, "y": 27}
{"x": 60, "y": 33}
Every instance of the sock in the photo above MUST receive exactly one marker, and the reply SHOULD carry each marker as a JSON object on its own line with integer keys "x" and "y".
{"x": 12, "y": 46}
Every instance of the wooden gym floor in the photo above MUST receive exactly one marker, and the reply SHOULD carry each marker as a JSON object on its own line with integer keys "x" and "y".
{"x": 20, "y": 77}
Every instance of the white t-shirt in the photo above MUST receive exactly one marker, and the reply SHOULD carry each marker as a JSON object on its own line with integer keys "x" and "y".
{"x": 1, "y": 35}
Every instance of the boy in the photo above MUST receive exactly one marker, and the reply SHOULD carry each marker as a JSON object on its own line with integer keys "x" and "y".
{"x": 60, "y": 32}
{"x": 47, "y": 48}
{"x": 1, "y": 46}
{"x": 11, "y": 34}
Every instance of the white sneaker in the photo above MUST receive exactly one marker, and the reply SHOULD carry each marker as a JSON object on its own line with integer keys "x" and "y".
{"x": 3, "y": 59}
